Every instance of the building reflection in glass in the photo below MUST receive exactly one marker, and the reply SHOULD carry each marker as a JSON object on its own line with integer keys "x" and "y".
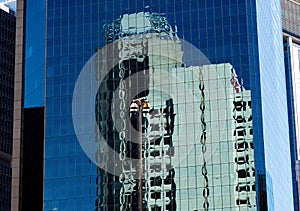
{"x": 209, "y": 120}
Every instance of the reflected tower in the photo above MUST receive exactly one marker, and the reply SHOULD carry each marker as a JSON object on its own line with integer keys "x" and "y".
{"x": 185, "y": 123}
{"x": 138, "y": 34}
{"x": 208, "y": 133}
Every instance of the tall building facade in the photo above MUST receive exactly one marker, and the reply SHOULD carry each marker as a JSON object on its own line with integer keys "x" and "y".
{"x": 7, "y": 56}
{"x": 155, "y": 105}
{"x": 292, "y": 75}
{"x": 291, "y": 39}
{"x": 28, "y": 135}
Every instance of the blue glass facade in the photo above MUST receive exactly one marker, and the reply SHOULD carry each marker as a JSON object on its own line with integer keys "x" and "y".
{"x": 35, "y": 54}
{"x": 72, "y": 37}
{"x": 244, "y": 33}
{"x": 33, "y": 103}
{"x": 272, "y": 80}
{"x": 291, "y": 34}
{"x": 292, "y": 117}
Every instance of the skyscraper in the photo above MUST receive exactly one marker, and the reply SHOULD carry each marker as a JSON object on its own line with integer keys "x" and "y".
{"x": 157, "y": 104}
{"x": 292, "y": 71}
{"x": 28, "y": 134}
{"x": 291, "y": 35}
{"x": 7, "y": 56}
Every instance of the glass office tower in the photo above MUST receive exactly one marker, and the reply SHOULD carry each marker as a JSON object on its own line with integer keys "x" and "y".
{"x": 188, "y": 87}
{"x": 292, "y": 74}
{"x": 7, "y": 56}
{"x": 291, "y": 34}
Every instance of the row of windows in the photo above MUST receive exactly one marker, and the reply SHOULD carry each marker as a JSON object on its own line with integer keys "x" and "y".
{"x": 5, "y": 204}
{"x": 6, "y": 96}
{"x": 7, "y": 67}
{"x": 6, "y": 87}
{"x": 5, "y": 169}
{"x": 4, "y": 147}
{"x": 7, "y": 72}
{"x": 205, "y": 9}
{"x": 72, "y": 204}
{"x": 6, "y": 115}
{"x": 4, "y": 179}
{"x": 7, "y": 108}
{"x": 6, "y": 133}
{"x": 7, "y": 21}
{"x": 222, "y": 27}
{"x": 7, "y": 52}
{"x": 7, "y": 32}
{"x": 184, "y": 200}
{"x": 8, "y": 35}
{"x": 6, "y": 81}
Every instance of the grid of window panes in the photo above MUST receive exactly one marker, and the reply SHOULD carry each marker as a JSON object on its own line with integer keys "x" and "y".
{"x": 291, "y": 64}
{"x": 7, "y": 56}
{"x": 7, "y": 43}
{"x": 34, "y": 54}
{"x": 272, "y": 80}
{"x": 5, "y": 185}
{"x": 73, "y": 32}
{"x": 225, "y": 31}
{"x": 290, "y": 17}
